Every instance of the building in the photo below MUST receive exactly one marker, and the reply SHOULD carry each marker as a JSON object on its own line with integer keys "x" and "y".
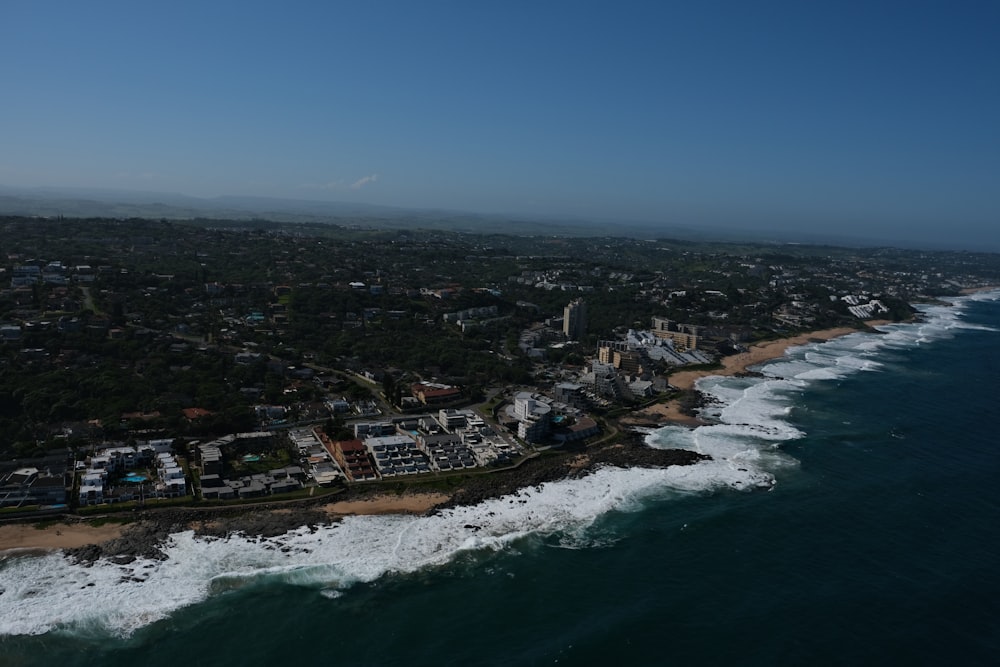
{"x": 628, "y": 361}
{"x": 533, "y": 417}
{"x": 447, "y": 451}
{"x": 396, "y": 455}
{"x": 431, "y": 393}
{"x": 575, "y": 319}
{"x": 31, "y": 486}
{"x": 354, "y": 459}
{"x": 606, "y": 381}
{"x": 583, "y": 428}
{"x": 570, "y": 394}
{"x": 684, "y": 336}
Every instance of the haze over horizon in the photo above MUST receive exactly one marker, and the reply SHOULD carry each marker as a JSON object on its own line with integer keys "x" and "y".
{"x": 872, "y": 120}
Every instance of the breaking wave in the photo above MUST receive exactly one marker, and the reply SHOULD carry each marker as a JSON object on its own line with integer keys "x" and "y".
{"x": 48, "y": 593}
{"x": 749, "y": 415}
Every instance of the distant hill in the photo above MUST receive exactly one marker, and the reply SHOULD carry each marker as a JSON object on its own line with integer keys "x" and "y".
{"x": 96, "y": 203}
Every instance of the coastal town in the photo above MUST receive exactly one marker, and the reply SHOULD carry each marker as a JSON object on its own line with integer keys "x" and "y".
{"x": 149, "y": 364}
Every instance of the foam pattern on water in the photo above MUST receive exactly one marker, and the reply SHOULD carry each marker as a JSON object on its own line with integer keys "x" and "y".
{"x": 48, "y": 593}
{"x": 749, "y": 415}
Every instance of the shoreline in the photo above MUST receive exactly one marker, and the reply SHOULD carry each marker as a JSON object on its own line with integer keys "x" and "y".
{"x": 142, "y": 538}
{"x": 83, "y": 538}
{"x": 965, "y": 291}
{"x": 759, "y": 353}
{"x": 671, "y": 411}
{"x": 34, "y": 538}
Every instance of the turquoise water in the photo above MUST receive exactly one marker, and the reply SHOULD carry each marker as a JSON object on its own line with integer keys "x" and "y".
{"x": 876, "y": 544}
{"x": 134, "y": 478}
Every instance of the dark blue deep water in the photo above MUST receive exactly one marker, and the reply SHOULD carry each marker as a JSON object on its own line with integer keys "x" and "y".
{"x": 876, "y": 545}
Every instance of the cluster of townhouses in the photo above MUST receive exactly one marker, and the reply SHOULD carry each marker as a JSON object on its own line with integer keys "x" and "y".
{"x": 451, "y": 440}
{"x": 215, "y": 485}
{"x": 111, "y": 474}
{"x": 864, "y": 308}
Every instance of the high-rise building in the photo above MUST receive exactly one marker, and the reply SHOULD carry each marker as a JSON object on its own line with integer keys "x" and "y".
{"x": 575, "y": 319}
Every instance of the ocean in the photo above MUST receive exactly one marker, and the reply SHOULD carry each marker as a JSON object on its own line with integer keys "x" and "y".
{"x": 850, "y": 517}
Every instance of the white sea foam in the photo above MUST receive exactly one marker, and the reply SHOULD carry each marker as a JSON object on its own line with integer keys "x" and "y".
{"x": 991, "y": 295}
{"x": 47, "y": 593}
{"x": 750, "y": 414}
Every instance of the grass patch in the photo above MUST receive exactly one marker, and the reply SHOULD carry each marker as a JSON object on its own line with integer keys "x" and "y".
{"x": 19, "y": 510}
{"x": 150, "y": 503}
{"x": 109, "y": 520}
{"x": 44, "y": 525}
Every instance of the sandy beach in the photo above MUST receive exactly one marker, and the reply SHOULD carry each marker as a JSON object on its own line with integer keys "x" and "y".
{"x": 58, "y": 536}
{"x": 29, "y": 536}
{"x": 974, "y": 290}
{"x": 756, "y": 354}
{"x": 72, "y": 535}
{"x": 410, "y": 503}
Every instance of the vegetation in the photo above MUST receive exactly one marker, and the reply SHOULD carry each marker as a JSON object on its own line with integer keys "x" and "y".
{"x": 140, "y": 320}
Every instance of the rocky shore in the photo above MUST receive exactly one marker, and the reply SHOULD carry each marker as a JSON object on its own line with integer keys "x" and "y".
{"x": 567, "y": 465}
{"x": 145, "y": 537}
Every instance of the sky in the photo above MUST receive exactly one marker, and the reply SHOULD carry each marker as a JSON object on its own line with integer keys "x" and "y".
{"x": 872, "y": 119}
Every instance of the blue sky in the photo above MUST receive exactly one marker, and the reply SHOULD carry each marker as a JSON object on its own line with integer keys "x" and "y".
{"x": 878, "y": 119}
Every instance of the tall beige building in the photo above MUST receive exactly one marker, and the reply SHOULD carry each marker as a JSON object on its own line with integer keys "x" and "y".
{"x": 575, "y": 319}
{"x": 684, "y": 336}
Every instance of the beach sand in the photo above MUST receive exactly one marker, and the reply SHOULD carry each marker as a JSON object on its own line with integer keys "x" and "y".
{"x": 58, "y": 536}
{"x": 660, "y": 413}
{"x": 670, "y": 412}
{"x": 756, "y": 354}
{"x": 410, "y": 503}
{"x": 66, "y": 536}
{"x": 26, "y": 536}
{"x": 974, "y": 290}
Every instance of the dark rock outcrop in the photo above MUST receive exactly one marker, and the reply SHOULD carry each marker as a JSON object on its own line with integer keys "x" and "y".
{"x": 145, "y": 537}
{"x": 564, "y": 465}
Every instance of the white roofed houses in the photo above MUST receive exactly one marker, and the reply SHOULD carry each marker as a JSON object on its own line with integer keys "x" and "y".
{"x": 121, "y": 473}
{"x": 92, "y": 486}
{"x": 172, "y": 482}
{"x": 864, "y": 310}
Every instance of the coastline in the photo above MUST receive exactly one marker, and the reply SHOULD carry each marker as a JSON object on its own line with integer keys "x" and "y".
{"x": 29, "y": 537}
{"x": 85, "y": 541}
{"x": 142, "y": 538}
{"x": 758, "y": 354}
{"x": 671, "y": 412}
{"x": 965, "y": 291}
